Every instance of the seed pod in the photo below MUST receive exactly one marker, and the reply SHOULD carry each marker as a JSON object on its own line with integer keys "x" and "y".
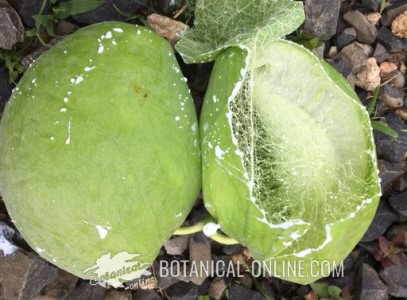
{"x": 289, "y": 166}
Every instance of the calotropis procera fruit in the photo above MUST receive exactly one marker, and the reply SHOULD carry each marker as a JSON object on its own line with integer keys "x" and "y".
{"x": 97, "y": 144}
{"x": 289, "y": 166}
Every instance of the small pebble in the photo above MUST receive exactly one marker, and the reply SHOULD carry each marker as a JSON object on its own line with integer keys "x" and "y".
{"x": 392, "y": 96}
{"x": 392, "y": 11}
{"x": 355, "y": 55}
{"x": 399, "y": 25}
{"x": 371, "y": 5}
{"x": 369, "y": 77}
{"x": 346, "y": 37}
{"x": 402, "y": 113}
{"x": 397, "y": 80}
{"x": 380, "y": 53}
{"x": 366, "y": 32}
{"x": 176, "y": 245}
{"x": 217, "y": 288}
{"x": 396, "y": 279}
{"x": 403, "y": 67}
{"x": 390, "y": 41}
{"x": 369, "y": 285}
{"x": 322, "y": 17}
{"x": 387, "y": 68}
{"x": 374, "y": 18}
{"x": 333, "y": 51}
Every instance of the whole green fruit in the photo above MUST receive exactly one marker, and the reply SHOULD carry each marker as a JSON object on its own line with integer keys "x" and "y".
{"x": 99, "y": 151}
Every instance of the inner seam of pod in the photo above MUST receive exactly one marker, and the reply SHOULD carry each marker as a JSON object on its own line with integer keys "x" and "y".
{"x": 258, "y": 156}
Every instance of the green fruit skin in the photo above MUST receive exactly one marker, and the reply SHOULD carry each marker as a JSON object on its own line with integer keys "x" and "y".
{"x": 101, "y": 130}
{"x": 225, "y": 188}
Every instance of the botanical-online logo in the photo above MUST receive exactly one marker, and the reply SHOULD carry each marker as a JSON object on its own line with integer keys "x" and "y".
{"x": 114, "y": 270}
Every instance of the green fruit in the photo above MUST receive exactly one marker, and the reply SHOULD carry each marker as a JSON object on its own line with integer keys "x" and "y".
{"x": 289, "y": 166}
{"x": 99, "y": 151}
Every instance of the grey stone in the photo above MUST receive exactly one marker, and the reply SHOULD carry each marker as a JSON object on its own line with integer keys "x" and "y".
{"x": 28, "y": 8}
{"x": 23, "y": 276}
{"x": 391, "y": 96}
{"x": 399, "y": 203}
{"x": 372, "y": 5}
{"x": 200, "y": 254}
{"x": 64, "y": 27}
{"x": 391, "y": 12}
{"x": 7, "y": 246}
{"x": 167, "y": 281}
{"x": 391, "y": 42}
{"x": 217, "y": 288}
{"x": 397, "y": 231}
{"x": 355, "y": 55}
{"x": 182, "y": 291}
{"x": 319, "y": 51}
{"x": 118, "y": 295}
{"x": 232, "y": 249}
{"x": 321, "y": 17}
{"x": 397, "y": 79}
{"x": 383, "y": 219}
{"x": 346, "y": 37}
{"x": 380, "y": 53}
{"x": 11, "y": 27}
{"x": 177, "y": 245}
{"x": 146, "y": 295}
{"x": 389, "y": 173}
{"x": 369, "y": 247}
{"x": 389, "y": 148}
{"x": 396, "y": 279}
{"x": 341, "y": 65}
{"x": 86, "y": 291}
{"x": 62, "y": 286}
{"x": 366, "y": 32}
{"x": 369, "y": 285}
{"x": 239, "y": 292}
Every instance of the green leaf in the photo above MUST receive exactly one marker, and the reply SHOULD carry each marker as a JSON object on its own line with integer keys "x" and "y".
{"x": 12, "y": 61}
{"x": 371, "y": 107}
{"x": 307, "y": 40}
{"x": 75, "y": 7}
{"x": 383, "y": 127}
{"x": 45, "y": 22}
{"x": 321, "y": 289}
{"x": 334, "y": 291}
{"x": 223, "y": 23}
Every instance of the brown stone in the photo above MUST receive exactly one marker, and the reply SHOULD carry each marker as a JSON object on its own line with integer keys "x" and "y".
{"x": 166, "y": 27}
{"x": 200, "y": 255}
{"x": 387, "y": 68}
{"x": 402, "y": 113}
{"x": 399, "y": 25}
{"x": 23, "y": 276}
{"x": 118, "y": 295}
{"x": 369, "y": 77}
{"x": 217, "y": 288}
{"x": 374, "y": 18}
